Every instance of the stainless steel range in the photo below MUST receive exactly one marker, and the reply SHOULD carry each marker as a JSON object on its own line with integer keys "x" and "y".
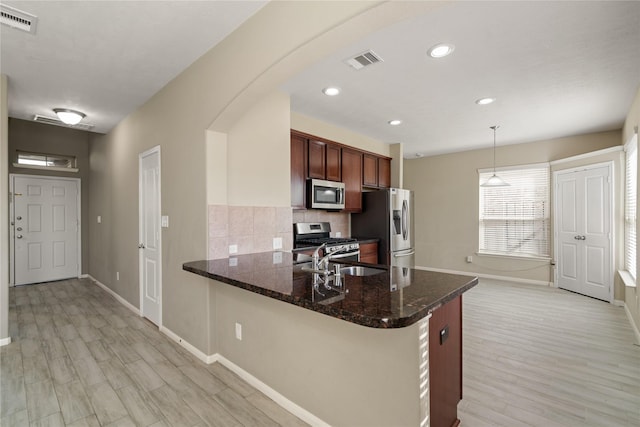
{"x": 315, "y": 234}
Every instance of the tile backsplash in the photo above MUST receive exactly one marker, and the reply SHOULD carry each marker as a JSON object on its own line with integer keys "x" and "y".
{"x": 253, "y": 228}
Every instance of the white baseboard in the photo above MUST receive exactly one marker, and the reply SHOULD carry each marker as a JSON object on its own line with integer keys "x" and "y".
{"x": 84, "y": 276}
{"x": 617, "y": 303}
{"x": 287, "y": 404}
{"x": 115, "y": 295}
{"x": 489, "y": 276}
{"x": 5, "y": 341}
{"x": 208, "y": 359}
{"x": 636, "y": 332}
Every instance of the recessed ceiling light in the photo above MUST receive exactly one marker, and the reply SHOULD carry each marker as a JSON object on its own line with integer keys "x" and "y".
{"x": 485, "y": 101}
{"x": 331, "y": 91}
{"x": 395, "y": 122}
{"x": 418, "y": 155}
{"x": 441, "y": 50}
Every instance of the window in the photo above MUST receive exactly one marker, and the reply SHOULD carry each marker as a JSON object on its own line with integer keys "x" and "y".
{"x": 514, "y": 220}
{"x": 46, "y": 161}
{"x": 631, "y": 182}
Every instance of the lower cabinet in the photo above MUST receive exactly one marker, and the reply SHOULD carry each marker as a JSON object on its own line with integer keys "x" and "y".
{"x": 445, "y": 363}
{"x": 369, "y": 252}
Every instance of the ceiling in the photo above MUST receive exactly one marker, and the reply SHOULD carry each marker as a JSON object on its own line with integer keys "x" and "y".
{"x": 107, "y": 58}
{"x": 557, "y": 69}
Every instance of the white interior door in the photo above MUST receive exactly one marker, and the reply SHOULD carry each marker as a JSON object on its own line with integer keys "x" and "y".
{"x": 583, "y": 231}
{"x": 150, "y": 246}
{"x": 46, "y": 228}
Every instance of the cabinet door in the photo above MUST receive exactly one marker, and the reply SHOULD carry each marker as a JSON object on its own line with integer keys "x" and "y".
{"x": 369, "y": 253}
{"x": 352, "y": 178}
{"x": 317, "y": 155}
{"x": 384, "y": 173}
{"x": 370, "y": 170}
{"x": 334, "y": 163}
{"x": 298, "y": 171}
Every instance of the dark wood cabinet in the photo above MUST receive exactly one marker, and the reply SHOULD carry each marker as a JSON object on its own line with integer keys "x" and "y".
{"x": 445, "y": 363}
{"x": 352, "y": 178}
{"x": 369, "y": 252}
{"x": 384, "y": 172}
{"x": 317, "y": 159}
{"x": 298, "y": 171}
{"x": 376, "y": 171}
{"x": 333, "y": 162}
{"x": 369, "y": 170}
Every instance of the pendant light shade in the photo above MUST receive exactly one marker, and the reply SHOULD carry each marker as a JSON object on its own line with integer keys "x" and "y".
{"x": 69, "y": 117}
{"x": 495, "y": 180}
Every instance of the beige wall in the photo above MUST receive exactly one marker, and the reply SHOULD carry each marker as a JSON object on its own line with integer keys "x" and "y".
{"x": 220, "y": 92}
{"x": 446, "y": 224}
{"x": 4, "y": 214}
{"x": 632, "y": 294}
{"x": 35, "y": 137}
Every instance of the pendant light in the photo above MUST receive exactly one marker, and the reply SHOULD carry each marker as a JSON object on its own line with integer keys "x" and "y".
{"x": 495, "y": 180}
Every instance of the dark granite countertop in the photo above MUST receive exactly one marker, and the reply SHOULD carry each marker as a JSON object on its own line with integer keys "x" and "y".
{"x": 393, "y": 299}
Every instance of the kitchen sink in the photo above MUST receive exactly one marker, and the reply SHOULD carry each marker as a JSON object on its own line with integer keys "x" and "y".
{"x": 358, "y": 270}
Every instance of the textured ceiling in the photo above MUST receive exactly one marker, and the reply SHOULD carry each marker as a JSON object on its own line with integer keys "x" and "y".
{"x": 107, "y": 58}
{"x": 556, "y": 68}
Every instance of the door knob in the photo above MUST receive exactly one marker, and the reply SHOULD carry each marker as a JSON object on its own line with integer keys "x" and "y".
{"x": 577, "y": 237}
{"x": 19, "y": 228}
{"x": 19, "y": 218}
{"x": 141, "y": 246}
{"x": 19, "y": 236}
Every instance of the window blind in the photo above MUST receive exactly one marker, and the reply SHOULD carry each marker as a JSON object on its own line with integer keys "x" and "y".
{"x": 514, "y": 220}
{"x": 631, "y": 183}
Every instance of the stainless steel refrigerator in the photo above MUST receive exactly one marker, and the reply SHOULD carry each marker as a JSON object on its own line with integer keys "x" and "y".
{"x": 388, "y": 216}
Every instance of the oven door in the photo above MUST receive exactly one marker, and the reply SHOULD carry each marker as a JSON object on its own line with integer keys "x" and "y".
{"x": 346, "y": 256}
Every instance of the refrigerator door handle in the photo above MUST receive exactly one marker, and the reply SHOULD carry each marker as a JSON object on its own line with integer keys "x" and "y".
{"x": 405, "y": 211}
{"x": 406, "y": 254}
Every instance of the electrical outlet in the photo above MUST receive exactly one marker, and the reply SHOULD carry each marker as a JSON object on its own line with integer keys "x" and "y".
{"x": 117, "y": 275}
{"x": 277, "y": 257}
{"x": 233, "y": 262}
{"x": 469, "y": 258}
{"x": 277, "y": 243}
{"x": 238, "y": 331}
{"x": 338, "y": 234}
{"x": 233, "y": 249}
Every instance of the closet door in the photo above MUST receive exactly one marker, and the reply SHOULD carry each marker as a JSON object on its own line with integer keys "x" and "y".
{"x": 583, "y": 231}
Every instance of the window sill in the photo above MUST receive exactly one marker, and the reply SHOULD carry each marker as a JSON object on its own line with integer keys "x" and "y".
{"x": 46, "y": 168}
{"x": 518, "y": 257}
{"x": 627, "y": 279}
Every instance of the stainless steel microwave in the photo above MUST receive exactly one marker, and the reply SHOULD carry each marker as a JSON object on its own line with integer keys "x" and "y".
{"x": 325, "y": 194}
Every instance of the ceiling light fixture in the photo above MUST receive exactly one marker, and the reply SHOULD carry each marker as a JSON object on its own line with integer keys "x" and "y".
{"x": 441, "y": 50}
{"x": 69, "y": 117}
{"x": 395, "y": 122}
{"x": 331, "y": 91}
{"x": 485, "y": 101}
{"x": 495, "y": 180}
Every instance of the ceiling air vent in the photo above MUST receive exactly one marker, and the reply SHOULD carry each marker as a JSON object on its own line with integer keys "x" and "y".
{"x": 363, "y": 60}
{"x": 53, "y": 121}
{"x": 18, "y": 19}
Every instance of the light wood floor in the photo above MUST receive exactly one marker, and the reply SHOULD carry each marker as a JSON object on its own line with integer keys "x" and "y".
{"x": 80, "y": 358}
{"x": 539, "y": 356}
{"x": 533, "y": 356}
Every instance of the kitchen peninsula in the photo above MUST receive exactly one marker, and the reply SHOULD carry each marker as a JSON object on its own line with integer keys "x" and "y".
{"x": 378, "y": 350}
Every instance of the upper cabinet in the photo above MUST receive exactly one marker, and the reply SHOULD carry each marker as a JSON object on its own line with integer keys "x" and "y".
{"x": 314, "y": 157}
{"x": 376, "y": 171}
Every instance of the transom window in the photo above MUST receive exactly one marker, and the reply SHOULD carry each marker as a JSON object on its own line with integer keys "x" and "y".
{"x": 46, "y": 161}
{"x": 514, "y": 220}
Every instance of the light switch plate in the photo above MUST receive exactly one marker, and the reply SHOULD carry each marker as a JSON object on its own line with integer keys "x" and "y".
{"x": 164, "y": 221}
{"x": 233, "y": 249}
{"x": 99, "y": 219}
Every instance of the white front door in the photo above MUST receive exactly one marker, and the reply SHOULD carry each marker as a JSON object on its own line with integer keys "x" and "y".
{"x": 583, "y": 231}
{"x": 46, "y": 228}
{"x": 150, "y": 237}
